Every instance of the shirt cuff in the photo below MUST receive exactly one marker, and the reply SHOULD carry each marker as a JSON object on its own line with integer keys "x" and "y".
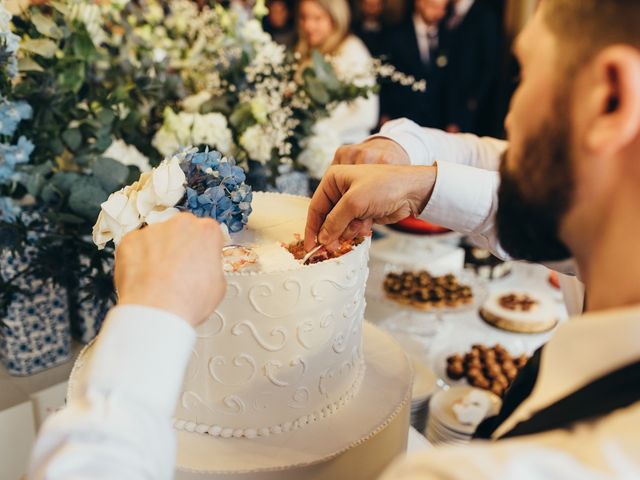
{"x": 411, "y": 137}
{"x": 462, "y": 197}
{"x": 141, "y": 355}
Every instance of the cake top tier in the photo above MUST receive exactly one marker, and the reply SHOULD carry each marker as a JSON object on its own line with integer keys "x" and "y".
{"x": 276, "y": 221}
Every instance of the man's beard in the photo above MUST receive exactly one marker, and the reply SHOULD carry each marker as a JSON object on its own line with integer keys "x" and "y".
{"x": 533, "y": 200}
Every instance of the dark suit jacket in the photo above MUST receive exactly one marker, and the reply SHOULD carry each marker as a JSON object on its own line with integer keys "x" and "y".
{"x": 396, "y": 101}
{"x": 474, "y": 64}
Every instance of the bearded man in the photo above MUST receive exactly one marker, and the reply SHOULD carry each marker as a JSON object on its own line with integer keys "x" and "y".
{"x": 569, "y": 186}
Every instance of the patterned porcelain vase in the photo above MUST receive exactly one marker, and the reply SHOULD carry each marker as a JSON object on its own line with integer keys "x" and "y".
{"x": 34, "y": 332}
{"x": 89, "y": 311}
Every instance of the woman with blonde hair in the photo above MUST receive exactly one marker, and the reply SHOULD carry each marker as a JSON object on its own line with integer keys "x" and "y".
{"x": 323, "y": 25}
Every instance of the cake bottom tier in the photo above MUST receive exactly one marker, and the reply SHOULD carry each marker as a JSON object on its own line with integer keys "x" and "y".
{"x": 356, "y": 443}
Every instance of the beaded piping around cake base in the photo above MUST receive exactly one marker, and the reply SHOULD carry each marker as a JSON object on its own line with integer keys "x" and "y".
{"x": 230, "y": 432}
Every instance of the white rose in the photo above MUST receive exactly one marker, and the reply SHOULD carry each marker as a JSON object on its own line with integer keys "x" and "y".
{"x": 168, "y": 182}
{"x": 119, "y": 216}
{"x": 161, "y": 215}
{"x": 127, "y": 155}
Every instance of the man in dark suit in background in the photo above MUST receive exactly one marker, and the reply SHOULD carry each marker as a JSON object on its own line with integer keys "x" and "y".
{"x": 475, "y": 50}
{"x": 419, "y": 48}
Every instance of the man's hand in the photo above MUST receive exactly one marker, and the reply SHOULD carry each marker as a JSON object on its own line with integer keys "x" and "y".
{"x": 174, "y": 266}
{"x": 351, "y": 198}
{"x": 376, "y": 150}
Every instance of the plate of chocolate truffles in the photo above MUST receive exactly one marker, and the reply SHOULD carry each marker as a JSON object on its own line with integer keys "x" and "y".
{"x": 488, "y": 367}
{"x": 421, "y": 291}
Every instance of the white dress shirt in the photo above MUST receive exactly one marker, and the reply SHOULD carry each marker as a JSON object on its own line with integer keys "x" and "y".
{"x": 119, "y": 427}
{"x": 465, "y": 194}
{"x": 607, "y": 447}
{"x": 427, "y": 37}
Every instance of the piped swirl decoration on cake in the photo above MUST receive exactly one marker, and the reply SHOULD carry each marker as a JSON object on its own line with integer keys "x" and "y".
{"x": 243, "y": 363}
{"x": 276, "y": 332}
{"x": 288, "y": 293}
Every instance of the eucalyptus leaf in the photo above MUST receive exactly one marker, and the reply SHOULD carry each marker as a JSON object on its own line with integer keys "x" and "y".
{"x": 40, "y": 46}
{"x": 73, "y": 138}
{"x": 110, "y": 173}
{"x": 72, "y": 77}
{"x": 85, "y": 200}
{"x": 28, "y": 64}
{"x": 317, "y": 91}
{"x": 324, "y": 71}
{"x": 46, "y": 26}
{"x": 83, "y": 46}
{"x": 64, "y": 181}
{"x": 50, "y": 193}
{"x": 106, "y": 117}
{"x": 61, "y": 7}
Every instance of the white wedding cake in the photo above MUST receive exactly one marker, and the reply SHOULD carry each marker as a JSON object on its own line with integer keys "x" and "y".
{"x": 284, "y": 348}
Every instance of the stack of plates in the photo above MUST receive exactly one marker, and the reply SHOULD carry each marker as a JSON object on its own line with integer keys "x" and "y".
{"x": 424, "y": 384}
{"x": 443, "y": 426}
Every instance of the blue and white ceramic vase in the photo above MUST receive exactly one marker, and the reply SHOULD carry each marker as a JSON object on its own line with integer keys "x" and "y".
{"x": 34, "y": 332}
{"x": 90, "y": 302}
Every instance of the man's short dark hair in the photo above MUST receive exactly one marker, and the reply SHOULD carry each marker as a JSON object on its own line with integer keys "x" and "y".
{"x": 585, "y": 27}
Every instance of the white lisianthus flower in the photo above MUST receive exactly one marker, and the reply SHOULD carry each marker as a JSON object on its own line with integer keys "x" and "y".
{"x": 165, "y": 142}
{"x": 258, "y": 143}
{"x": 127, "y": 155}
{"x": 211, "y": 129}
{"x": 319, "y": 150}
{"x": 175, "y": 132}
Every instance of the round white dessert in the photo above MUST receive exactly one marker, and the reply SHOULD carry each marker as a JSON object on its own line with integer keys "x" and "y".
{"x": 540, "y": 317}
{"x": 285, "y": 345}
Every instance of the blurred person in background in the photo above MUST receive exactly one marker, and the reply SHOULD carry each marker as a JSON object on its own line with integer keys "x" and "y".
{"x": 323, "y": 25}
{"x": 419, "y": 47}
{"x": 474, "y": 62}
{"x": 369, "y": 25}
{"x": 279, "y": 22}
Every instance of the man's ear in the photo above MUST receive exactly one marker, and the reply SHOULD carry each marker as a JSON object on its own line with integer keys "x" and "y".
{"x": 614, "y": 104}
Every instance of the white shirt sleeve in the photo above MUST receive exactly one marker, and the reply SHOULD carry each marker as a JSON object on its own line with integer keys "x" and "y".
{"x": 119, "y": 426}
{"x": 425, "y": 146}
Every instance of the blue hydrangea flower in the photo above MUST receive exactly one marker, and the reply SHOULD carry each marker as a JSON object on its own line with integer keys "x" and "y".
{"x": 216, "y": 189}
{"x": 8, "y": 210}
{"x": 11, "y": 114}
{"x": 9, "y": 43}
{"x": 12, "y": 155}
